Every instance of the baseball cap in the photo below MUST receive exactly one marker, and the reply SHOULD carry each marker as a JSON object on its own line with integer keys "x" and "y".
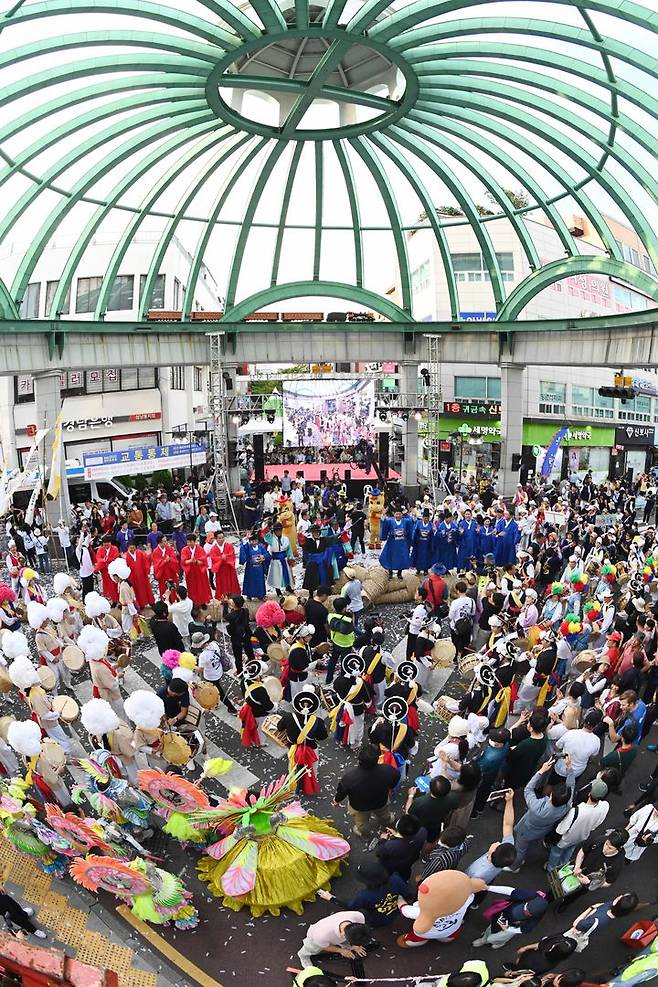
{"x": 598, "y": 789}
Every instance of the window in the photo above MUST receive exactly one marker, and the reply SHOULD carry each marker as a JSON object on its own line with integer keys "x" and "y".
{"x": 420, "y": 278}
{"x": 51, "y": 288}
{"x": 121, "y": 295}
{"x": 582, "y": 400}
{"x": 177, "y": 379}
{"x": 30, "y": 304}
{"x": 638, "y": 410}
{"x": 158, "y": 295}
{"x": 87, "y": 294}
{"x": 198, "y": 378}
{"x": 477, "y": 388}
{"x": 177, "y": 293}
{"x": 148, "y": 377}
{"x": 471, "y": 267}
{"x": 552, "y": 398}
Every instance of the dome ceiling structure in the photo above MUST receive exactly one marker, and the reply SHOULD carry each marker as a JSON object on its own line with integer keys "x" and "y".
{"x": 288, "y": 144}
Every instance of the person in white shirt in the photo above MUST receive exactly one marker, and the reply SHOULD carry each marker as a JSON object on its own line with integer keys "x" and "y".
{"x": 580, "y": 744}
{"x": 296, "y": 496}
{"x": 84, "y": 560}
{"x": 212, "y": 524}
{"x": 416, "y": 621}
{"x": 209, "y": 662}
{"x": 181, "y": 614}
{"x": 578, "y": 824}
{"x": 269, "y": 502}
{"x": 303, "y": 525}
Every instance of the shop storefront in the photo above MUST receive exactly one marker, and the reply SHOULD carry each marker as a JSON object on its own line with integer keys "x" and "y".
{"x": 585, "y": 448}
{"x": 471, "y": 441}
{"x": 635, "y": 445}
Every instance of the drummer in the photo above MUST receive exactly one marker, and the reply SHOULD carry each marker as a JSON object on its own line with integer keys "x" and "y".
{"x": 209, "y": 661}
{"x": 299, "y": 662}
{"x": 47, "y": 716}
{"x": 48, "y": 643}
{"x": 257, "y": 705}
{"x": 304, "y": 729}
{"x": 50, "y": 769}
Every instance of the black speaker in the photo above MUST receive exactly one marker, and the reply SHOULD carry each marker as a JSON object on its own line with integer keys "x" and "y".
{"x": 323, "y": 476}
{"x": 383, "y": 454}
{"x": 259, "y": 458}
{"x": 348, "y": 476}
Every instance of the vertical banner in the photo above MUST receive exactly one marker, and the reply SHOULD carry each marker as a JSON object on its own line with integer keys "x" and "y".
{"x": 552, "y": 450}
{"x": 55, "y": 480}
{"x": 31, "y": 507}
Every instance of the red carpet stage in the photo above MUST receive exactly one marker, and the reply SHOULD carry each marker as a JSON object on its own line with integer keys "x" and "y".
{"x": 312, "y": 472}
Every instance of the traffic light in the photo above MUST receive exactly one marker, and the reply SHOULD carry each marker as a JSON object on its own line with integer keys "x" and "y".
{"x": 623, "y": 393}
{"x": 516, "y": 461}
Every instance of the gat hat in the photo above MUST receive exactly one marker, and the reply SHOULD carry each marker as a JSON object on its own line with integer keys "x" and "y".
{"x": 254, "y": 669}
{"x": 353, "y": 665}
{"x": 395, "y": 709}
{"x": 306, "y": 702}
{"x": 458, "y": 727}
{"x": 598, "y": 789}
{"x": 407, "y": 671}
{"x": 199, "y": 639}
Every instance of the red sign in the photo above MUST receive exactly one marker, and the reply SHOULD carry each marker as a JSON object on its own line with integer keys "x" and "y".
{"x": 31, "y": 430}
{"x": 145, "y": 416}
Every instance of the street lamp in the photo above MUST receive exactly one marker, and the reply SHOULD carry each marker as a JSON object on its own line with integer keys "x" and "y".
{"x": 464, "y": 431}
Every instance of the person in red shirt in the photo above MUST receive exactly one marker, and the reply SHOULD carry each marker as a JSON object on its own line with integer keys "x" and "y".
{"x": 165, "y": 564}
{"x": 194, "y": 561}
{"x": 222, "y": 563}
{"x": 106, "y": 554}
{"x": 437, "y": 588}
{"x": 139, "y": 564}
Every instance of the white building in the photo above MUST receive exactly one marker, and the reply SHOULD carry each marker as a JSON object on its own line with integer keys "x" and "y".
{"x": 606, "y": 435}
{"x": 118, "y": 408}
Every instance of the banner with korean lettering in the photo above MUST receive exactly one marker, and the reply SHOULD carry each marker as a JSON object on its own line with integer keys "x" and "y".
{"x": 55, "y": 479}
{"x": 552, "y": 450}
{"x": 133, "y": 462}
{"x": 31, "y": 507}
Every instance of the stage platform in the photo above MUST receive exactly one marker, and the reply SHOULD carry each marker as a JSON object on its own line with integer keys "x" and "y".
{"x": 315, "y": 472}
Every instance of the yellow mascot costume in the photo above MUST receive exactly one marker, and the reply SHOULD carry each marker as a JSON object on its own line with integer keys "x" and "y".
{"x": 287, "y": 519}
{"x": 375, "y": 513}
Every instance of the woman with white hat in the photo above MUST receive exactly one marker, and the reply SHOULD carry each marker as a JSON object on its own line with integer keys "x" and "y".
{"x": 450, "y": 752}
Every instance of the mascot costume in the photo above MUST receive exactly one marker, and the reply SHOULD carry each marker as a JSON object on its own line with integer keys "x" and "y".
{"x": 375, "y": 514}
{"x": 443, "y": 900}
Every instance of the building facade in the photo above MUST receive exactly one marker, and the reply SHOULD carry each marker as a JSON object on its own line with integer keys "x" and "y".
{"x": 605, "y": 435}
{"x": 122, "y": 407}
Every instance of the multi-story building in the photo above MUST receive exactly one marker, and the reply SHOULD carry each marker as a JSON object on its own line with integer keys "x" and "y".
{"x": 122, "y": 407}
{"x": 605, "y": 435}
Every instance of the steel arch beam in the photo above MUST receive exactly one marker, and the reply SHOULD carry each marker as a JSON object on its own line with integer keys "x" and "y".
{"x": 161, "y": 151}
{"x": 390, "y": 202}
{"x": 352, "y": 198}
{"x": 158, "y": 13}
{"x": 389, "y": 148}
{"x": 439, "y": 167}
{"x": 558, "y": 270}
{"x": 330, "y": 289}
{"x": 8, "y": 308}
{"x": 169, "y": 232}
{"x": 283, "y": 211}
{"x": 461, "y": 105}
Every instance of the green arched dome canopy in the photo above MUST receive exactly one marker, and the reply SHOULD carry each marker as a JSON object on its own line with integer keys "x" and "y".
{"x": 129, "y": 122}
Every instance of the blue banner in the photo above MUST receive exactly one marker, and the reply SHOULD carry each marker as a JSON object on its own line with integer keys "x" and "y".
{"x": 551, "y": 452}
{"x": 119, "y": 457}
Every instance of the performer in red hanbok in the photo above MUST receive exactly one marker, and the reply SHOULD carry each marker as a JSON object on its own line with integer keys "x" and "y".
{"x": 139, "y": 564}
{"x": 105, "y": 554}
{"x": 222, "y": 563}
{"x": 165, "y": 565}
{"x": 194, "y": 561}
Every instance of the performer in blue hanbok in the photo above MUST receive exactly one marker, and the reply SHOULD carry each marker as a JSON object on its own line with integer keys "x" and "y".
{"x": 466, "y": 540}
{"x": 486, "y": 538}
{"x": 255, "y": 557}
{"x": 421, "y": 540}
{"x": 396, "y": 535}
{"x": 507, "y": 538}
{"x": 445, "y": 542}
{"x": 317, "y": 572}
{"x": 335, "y": 555}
